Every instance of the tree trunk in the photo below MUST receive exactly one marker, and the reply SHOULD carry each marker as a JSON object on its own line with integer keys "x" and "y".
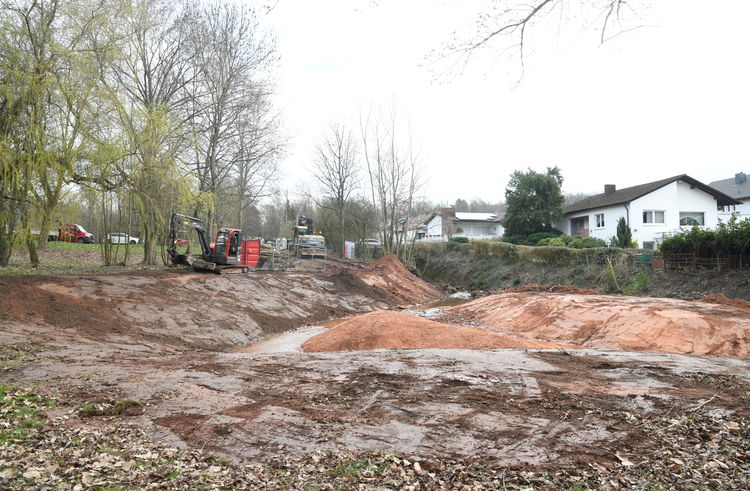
{"x": 44, "y": 230}
{"x": 33, "y": 255}
{"x": 342, "y": 239}
{"x": 4, "y": 251}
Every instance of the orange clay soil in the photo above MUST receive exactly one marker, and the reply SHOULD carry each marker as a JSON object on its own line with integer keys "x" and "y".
{"x": 714, "y": 326}
{"x": 399, "y": 330}
{"x": 387, "y": 273}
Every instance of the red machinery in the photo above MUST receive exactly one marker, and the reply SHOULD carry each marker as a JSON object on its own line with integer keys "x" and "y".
{"x": 228, "y": 251}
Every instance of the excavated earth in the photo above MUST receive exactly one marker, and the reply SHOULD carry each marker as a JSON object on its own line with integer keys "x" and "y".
{"x": 176, "y": 343}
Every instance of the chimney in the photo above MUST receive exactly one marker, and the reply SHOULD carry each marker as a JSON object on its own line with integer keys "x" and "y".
{"x": 609, "y": 188}
{"x": 447, "y": 214}
{"x": 739, "y": 178}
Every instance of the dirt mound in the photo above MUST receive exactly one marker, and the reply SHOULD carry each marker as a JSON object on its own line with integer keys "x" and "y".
{"x": 387, "y": 273}
{"x": 399, "y": 330}
{"x": 350, "y": 282}
{"x": 179, "y": 310}
{"x": 533, "y": 287}
{"x": 617, "y": 322}
{"x": 721, "y": 299}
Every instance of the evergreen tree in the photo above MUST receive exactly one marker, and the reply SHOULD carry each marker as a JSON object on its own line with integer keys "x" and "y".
{"x": 624, "y": 235}
{"x": 534, "y": 201}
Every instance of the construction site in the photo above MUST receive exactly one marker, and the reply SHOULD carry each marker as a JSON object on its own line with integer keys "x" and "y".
{"x": 364, "y": 375}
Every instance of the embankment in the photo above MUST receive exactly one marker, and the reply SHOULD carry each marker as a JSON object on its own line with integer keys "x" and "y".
{"x": 496, "y": 266}
{"x": 185, "y": 310}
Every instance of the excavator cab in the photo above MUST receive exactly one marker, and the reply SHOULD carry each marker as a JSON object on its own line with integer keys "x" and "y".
{"x": 226, "y": 248}
{"x": 228, "y": 251}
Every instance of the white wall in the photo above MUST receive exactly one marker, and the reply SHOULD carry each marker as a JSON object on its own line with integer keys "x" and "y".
{"x": 472, "y": 230}
{"x": 435, "y": 227}
{"x": 743, "y": 210}
{"x": 611, "y": 216}
{"x": 672, "y": 199}
{"x": 479, "y": 229}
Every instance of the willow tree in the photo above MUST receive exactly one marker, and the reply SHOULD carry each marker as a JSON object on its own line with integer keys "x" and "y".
{"x": 47, "y": 81}
{"x": 148, "y": 75}
{"x": 28, "y": 57}
{"x": 73, "y": 107}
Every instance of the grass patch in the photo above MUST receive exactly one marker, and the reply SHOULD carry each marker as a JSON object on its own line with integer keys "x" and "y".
{"x": 20, "y": 417}
{"x": 353, "y": 468}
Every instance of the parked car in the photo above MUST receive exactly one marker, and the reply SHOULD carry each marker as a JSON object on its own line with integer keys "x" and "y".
{"x": 120, "y": 238}
{"x": 72, "y": 232}
{"x": 372, "y": 243}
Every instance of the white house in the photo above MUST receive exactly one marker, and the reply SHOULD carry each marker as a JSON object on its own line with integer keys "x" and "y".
{"x": 439, "y": 227}
{"x": 739, "y": 189}
{"x": 651, "y": 210}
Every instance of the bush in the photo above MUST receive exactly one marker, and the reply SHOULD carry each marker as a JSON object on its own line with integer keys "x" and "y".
{"x": 515, "y": 239}
{"x": 534, "y": 239}
{"x": 586, "y": 243}
{"x": 531, "y": 239}
{"x": 460, "y": 240}
{"x": 573, "y": 242}
{"x": 553, "y": 242}
{"x": 730, "y": 238}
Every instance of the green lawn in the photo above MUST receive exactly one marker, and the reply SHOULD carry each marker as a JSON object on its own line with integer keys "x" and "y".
{"x": 74, "y": 258}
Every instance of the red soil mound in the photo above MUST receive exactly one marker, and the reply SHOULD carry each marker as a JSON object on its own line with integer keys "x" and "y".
{"x": 387, "y": 273}
{"x": 399, "y": 330}
{"x": 617, "y": 322}
{"x": 721, "y": 299}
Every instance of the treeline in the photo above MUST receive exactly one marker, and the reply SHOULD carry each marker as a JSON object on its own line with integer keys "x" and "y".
{"x": 124, "y": 110}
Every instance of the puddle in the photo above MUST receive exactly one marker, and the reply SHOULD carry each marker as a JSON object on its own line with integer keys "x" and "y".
{"x": 283, "y": 343}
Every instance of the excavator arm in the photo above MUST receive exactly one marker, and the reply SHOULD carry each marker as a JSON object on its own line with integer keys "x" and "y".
{"x": 176, "y": 222}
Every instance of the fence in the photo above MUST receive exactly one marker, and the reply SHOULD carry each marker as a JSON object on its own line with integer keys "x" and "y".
{"x": 657, "y": 260}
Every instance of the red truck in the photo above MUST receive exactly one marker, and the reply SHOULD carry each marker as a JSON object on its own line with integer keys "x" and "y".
{"x": 72, "y": 232}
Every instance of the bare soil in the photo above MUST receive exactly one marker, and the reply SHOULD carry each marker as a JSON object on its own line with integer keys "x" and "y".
{"x": 173, "y": 343}
{"x": 400, "y": 330}
{"x": 714, "y": 326}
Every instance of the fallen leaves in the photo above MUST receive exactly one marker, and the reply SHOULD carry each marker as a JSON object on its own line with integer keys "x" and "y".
{"x": 66, "y": 452}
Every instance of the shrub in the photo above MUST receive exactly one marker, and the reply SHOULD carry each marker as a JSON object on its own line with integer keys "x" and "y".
{"x": 730, "y": 238}
{"x": 553, "y": 242}
{"x": 534, "y": 239}
{"x": 586, "y": 243}
{"x": 515, "y": 239}
{"x": 460, "y": 240}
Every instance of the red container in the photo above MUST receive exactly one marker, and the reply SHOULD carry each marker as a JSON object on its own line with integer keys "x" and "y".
{"x": 250, "y": 254}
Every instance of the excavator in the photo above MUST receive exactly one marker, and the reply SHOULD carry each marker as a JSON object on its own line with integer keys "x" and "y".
{"x": 305, "y": 242}
{"x": 228, "y": 251}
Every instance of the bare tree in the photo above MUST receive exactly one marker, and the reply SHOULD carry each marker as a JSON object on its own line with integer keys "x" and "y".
{"x": 260, "y": 146}
{"x": 235, "y": 143}
{"x": 392, "y": 170}
{"x": 336, "y": 171}
{"x": 504, "y": 27}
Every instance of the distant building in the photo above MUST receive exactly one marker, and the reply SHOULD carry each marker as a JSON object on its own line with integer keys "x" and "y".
{"x": 651, "y": 210}
{"x": 440, "y": 227}
{"x": 738, "y": 188}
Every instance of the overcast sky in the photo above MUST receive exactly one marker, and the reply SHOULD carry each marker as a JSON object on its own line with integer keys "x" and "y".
{"x": 669, "y": 98}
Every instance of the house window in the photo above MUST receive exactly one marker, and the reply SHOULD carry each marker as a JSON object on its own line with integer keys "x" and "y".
{"x": 599, "y": 220}
{"x": 692, "y": 218}
{"x": 653, "y": 216}
{"x": 649, "y": 244}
